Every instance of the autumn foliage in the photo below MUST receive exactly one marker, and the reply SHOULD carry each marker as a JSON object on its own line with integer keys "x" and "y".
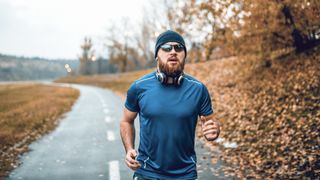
{"x": 273, "y": 114}
{"x": 252, "y": 26}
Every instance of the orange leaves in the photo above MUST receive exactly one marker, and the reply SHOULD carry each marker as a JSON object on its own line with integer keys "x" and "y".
{"x": 272, "y": 114}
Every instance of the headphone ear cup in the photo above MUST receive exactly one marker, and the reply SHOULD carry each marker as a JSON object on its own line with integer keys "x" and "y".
{"x": 161, "y": 77}
{"x": 179, "y": 80}
{"x": 164, "y": 77}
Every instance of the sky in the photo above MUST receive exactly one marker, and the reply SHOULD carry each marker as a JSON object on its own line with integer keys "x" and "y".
{"x": 55, "y": 29}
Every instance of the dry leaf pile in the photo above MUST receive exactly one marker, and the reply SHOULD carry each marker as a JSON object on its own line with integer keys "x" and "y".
{"x": 273, "y": 114}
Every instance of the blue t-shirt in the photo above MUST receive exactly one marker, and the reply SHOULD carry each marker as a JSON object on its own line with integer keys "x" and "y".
{"x": 168, "y": 117}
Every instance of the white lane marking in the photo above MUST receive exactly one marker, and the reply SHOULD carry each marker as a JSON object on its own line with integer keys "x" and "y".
{"x": 107, "y": 119}
{"x": 114, "y": 172}
{"x": 100, "y": 98}
{"x": 106, "y": 111}
{"x": 110, "y": 136}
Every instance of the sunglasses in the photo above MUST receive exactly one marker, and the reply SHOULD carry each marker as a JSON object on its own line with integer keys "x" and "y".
{"x": 168, "y": 47}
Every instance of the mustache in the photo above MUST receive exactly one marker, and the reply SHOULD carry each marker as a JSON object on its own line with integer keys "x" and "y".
{"x": 173, "y": 58}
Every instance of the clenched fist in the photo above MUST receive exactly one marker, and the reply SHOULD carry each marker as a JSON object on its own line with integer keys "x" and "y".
{"x": 131, "y": 161}
{"x": 210, "y": 128}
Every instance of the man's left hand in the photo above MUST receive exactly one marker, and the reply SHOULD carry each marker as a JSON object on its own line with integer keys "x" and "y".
{"x": 210, "y": 128}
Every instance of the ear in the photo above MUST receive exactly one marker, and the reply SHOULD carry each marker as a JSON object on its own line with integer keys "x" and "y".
{"x": 157, "y": 58}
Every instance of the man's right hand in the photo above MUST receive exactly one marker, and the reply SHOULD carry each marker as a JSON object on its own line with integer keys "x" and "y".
{"x": 131, "y": 161}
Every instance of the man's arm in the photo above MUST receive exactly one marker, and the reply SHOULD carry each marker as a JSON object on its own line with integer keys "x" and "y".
{"x": 210, "y": 127}
{"x": 127, "y": 133}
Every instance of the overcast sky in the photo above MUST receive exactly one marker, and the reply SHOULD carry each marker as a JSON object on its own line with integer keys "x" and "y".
{"x": 56, "y": 28}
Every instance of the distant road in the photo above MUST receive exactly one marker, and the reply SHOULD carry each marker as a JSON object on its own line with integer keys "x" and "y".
{"x": 25, "y": 82}
{"x": 86, "y": 144}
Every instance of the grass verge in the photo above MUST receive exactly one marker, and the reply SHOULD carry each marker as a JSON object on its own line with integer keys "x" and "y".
{"x": 28, "y": 111}
{"x": 117, "y": 82}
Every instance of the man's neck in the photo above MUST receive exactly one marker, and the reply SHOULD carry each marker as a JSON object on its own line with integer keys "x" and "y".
{"x": 170, "y": 80}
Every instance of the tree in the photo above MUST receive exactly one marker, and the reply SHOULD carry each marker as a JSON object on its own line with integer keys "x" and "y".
{"x": 144, "y": 40}
{"x": 276, "y": 25}
{"x": 255, "y": 27}
{"x": 118, "y": 55}
{"x": 303, "y": 17}
{"x": 118, "y": 45}
{"x": 87, "y": 58}
{"x": 134, "y": 48}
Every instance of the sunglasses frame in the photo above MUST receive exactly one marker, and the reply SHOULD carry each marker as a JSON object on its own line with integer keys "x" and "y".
{"x": 169, "y": 47}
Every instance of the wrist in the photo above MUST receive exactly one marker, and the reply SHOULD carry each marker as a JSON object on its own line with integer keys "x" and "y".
{"x": 129, "y": 149}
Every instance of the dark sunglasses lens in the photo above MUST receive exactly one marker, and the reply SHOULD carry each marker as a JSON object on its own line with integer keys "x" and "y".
{"x": 166, "y": 47}
{"x": 178, "y": 48}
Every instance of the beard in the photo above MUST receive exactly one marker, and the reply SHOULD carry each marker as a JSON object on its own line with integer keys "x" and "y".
{"x": 173, "y": 70}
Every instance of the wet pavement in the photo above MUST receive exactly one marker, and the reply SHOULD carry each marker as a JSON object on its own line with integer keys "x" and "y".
{"x": 87, "y": 145}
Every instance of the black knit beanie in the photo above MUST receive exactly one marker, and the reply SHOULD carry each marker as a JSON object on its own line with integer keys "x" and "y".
{"x": 169, "y": 36}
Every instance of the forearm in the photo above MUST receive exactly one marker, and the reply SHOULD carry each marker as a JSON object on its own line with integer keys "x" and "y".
{"x": 127, "y": 132}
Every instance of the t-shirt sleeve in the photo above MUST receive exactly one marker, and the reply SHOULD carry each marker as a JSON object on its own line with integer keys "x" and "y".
{"x": 205, "y": 104}
{"x": 132, "y": 98}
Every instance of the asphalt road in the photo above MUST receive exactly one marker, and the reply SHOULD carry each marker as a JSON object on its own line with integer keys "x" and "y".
{"x": 87, "y": 145}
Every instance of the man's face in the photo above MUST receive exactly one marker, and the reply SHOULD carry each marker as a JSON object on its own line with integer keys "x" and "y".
{"x": 171, "y": 62}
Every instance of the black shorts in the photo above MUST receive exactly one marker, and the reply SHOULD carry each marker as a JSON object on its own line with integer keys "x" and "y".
{"x": 142, "y": 177}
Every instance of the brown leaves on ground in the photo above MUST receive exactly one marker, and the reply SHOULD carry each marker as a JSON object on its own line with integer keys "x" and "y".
{"x": 273, "y": 114}
{"x": 26, "y": 112}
